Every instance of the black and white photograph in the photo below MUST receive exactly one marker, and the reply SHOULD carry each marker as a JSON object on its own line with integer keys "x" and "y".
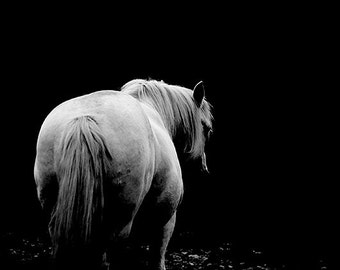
{"x": 207, "y": 145}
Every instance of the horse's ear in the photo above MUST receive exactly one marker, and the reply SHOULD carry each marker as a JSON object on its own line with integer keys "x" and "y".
{"x": 199, "y": 93}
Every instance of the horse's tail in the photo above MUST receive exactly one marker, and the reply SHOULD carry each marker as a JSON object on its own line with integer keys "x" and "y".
{"x": 81, "y": 164}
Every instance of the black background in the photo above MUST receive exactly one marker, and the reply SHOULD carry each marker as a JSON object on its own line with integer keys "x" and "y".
{"x": 272, "y": 154}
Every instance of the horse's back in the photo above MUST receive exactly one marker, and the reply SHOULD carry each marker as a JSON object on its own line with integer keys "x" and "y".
{"x": 118, "y": 115}
{"x": 100, "y": 105}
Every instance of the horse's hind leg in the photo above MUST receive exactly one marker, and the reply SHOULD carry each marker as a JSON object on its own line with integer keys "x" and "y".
{"x": 47, "y": 190}
{"x": 117, "y": 250}
{"x": 160, "y": 242}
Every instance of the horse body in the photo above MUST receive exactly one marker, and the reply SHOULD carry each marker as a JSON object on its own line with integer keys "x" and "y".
{"x": 98, "y": 157}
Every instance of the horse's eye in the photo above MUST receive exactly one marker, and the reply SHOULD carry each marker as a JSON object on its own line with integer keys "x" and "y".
{"x": 207, "y": 131}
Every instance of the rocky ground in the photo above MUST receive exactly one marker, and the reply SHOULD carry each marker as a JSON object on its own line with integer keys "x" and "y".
{"x": 22, "y": 252}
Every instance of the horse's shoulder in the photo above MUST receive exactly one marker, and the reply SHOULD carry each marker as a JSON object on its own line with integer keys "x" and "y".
{"x": 167, "y": 182}
{"x": 163, "y": 140}
{"x": 166, "y": 155}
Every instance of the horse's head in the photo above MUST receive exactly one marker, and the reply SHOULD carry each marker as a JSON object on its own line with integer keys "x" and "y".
{"x": 205, "y": 120}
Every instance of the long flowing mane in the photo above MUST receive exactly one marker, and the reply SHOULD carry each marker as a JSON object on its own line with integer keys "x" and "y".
{"x": 177, "y": 108}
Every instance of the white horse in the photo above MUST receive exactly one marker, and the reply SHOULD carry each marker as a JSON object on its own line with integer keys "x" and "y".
{"x": 100, "y": 155}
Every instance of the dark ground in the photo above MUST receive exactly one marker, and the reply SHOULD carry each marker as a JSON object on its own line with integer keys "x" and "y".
{"x": 20, "y": 251}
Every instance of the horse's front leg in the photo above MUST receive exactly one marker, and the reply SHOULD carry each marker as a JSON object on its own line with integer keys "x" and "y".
{"x": 160, "y": 242}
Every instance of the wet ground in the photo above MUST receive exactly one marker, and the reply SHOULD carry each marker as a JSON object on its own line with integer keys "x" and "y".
{"x": 24, "y": 252}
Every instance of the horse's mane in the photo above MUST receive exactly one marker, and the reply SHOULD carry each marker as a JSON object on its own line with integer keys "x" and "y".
{"x": 177, "y": 108}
